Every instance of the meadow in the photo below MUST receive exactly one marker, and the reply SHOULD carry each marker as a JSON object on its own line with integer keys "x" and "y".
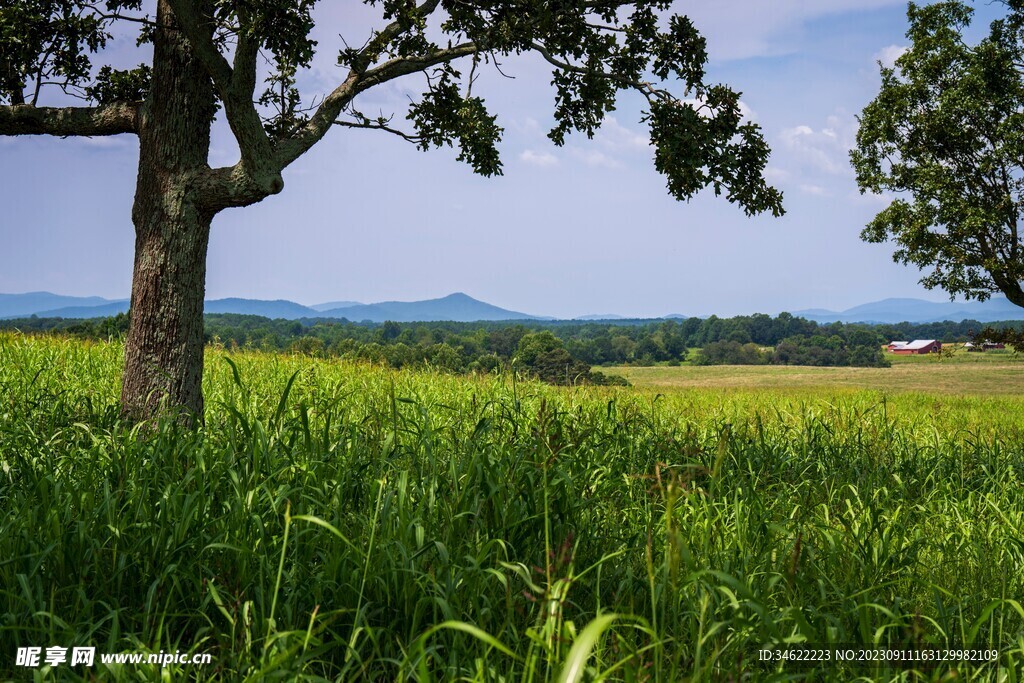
{"x": 341, "y": 521}
{"x": 955, "y": 372}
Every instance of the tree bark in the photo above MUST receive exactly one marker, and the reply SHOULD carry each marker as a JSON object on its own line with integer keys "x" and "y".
{"x": 164, "y": 348}
{"x": 111, "y": 119}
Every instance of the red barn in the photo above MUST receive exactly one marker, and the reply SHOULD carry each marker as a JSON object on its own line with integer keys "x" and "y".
{"x": 918, "y": 346}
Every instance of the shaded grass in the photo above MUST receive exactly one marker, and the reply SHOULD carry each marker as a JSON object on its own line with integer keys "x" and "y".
{"x": 345, "y": 522}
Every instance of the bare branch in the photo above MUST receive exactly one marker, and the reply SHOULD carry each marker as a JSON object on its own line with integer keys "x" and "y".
{"x": 602, "y": 27}
{"x": 111, "y": 119}
{"x": 416, "y": 139}
{"x": 145, "y": 21}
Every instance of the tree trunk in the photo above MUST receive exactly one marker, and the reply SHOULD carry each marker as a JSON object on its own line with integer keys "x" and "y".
{"x": 164, "y": 349}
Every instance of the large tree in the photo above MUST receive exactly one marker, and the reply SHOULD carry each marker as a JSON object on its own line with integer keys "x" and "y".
{"x": 945, "y": 135}
{"x": 244, "y": 59}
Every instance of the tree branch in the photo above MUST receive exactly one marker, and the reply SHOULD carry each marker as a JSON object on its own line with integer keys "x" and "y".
{"x": 246, "y": 53}
{"x": 122, "y": 17}
{"x": 379, "y": 42}
{"x": 327, "y": 113}
{"x": 234, "y": 186}
{"x": 643, "y": 87}
{"x": 111, "y": 119}
{"x": 190, "y": 22}
{"x": 408, "y": 137}
{"x": 235, "y": 88}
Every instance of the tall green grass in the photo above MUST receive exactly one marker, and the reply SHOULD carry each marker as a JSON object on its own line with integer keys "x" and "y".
{"x": 343, "y": 522}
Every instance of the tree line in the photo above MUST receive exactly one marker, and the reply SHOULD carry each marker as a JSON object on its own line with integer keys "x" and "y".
{"x": 560, "y": 352}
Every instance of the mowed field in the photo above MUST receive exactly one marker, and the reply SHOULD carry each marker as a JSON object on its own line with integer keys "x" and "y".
{"x": 344, "y": 522}
{"x": 968, "y": 374}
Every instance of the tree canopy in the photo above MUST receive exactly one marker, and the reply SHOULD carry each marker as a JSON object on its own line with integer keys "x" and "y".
{"x": 254, "y": 51}
{"x": 946, "y": 136}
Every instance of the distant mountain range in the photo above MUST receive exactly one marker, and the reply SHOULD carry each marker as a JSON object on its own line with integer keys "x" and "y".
{"x": 457, "y": 307}
{"x": 460, "y": 307}
{"x": 335, "y": 304}
{"x": 23, "y": 305}
{"x": 919, "y": 311}
{"x": 279, "y": 308}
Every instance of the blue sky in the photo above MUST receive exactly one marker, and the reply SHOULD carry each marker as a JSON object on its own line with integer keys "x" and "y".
{"x": 586, "y": 228}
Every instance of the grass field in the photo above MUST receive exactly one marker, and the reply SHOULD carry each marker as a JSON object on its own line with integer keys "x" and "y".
{"x": 344, "y": 522}
{"x": 970, "y": 374}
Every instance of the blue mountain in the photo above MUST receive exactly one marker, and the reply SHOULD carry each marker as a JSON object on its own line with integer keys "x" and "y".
{"x": 268, "y": 309}
{"x": 24, "y": 305}
{"x": 460, "y": 307}
{"x": 279, "y": 308}
{"x": 919, "y": 311}
{"x": 456, "y": 307}
{"x": 101, "y": 311}
{"x": 335, "y": 304}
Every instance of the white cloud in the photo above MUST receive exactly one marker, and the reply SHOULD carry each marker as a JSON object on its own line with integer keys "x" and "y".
{"x": 592, "y": 157}
{"x": 740, "y": 29}
{"x": 111, "y": 143}
{"x": 747, "y": 112}
{"x": 823, "y": 150}
{"x": 816, "y": 190}
{"x": 872, "y": 199}
{"x": 888, "y": 55}
{"x": 618, "y": 138}
{"x": 774, "y": 174}
{"x": 542, "y": 159}
{"x": 526, "y": 126}
{"x": 813, "y": 159}
{"x": 612, "y": 145}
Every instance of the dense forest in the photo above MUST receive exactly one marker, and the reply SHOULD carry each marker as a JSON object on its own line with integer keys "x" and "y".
{"x": 560, "y": 352}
